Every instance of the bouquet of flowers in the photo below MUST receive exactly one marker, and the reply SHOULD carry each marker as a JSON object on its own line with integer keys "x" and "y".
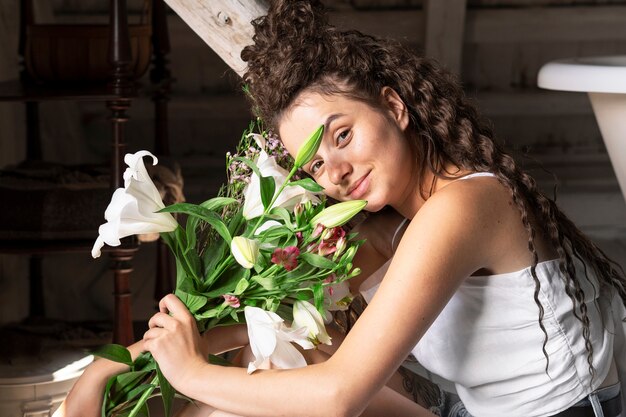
{"x": 267, "y": 251}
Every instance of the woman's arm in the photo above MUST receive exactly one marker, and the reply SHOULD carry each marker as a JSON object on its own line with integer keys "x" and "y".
{"x": 438, "y": 251}
{"x": 85, "y": 397}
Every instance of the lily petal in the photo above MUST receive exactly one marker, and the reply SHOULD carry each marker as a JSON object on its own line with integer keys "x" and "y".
{"x": 133, "y": 209}
{"x": 245, "y": 251}
{"x": 289, "y": 197}
{"x": 270, "y": 340}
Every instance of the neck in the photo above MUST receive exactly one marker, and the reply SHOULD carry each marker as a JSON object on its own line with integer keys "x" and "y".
{"x": 425, "y": 188}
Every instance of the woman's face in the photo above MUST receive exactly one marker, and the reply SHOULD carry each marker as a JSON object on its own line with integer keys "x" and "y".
{"x": 364, "y": 152}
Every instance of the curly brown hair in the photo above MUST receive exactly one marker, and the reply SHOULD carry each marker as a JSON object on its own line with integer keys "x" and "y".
{"x": 295, "y": 49}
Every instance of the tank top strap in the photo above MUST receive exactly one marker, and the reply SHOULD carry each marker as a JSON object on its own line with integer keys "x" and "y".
{"x": 395, "y": 234}
{"x": 466, "y": 177}
{"x": 476, "y": 174}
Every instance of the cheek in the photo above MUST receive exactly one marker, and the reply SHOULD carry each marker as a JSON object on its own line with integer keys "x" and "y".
{"x": 329, "y": 188}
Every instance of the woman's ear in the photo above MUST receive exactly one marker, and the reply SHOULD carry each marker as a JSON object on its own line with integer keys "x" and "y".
{"x": 392, "y": 100}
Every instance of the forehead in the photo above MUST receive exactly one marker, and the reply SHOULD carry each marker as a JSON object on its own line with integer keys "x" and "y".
{"x": 308, "y": 111}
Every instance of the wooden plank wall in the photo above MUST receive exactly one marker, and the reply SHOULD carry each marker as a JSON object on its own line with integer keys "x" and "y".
{"x": 497, "y": 47}
{"x": 499, "y": 50}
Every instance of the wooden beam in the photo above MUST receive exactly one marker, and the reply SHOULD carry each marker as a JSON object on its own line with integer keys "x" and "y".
{"x": 223, "y": 24}
{"x": 547, "y": 24}
{"x": 445, "y": 27}
{"x": 488, "y": 26}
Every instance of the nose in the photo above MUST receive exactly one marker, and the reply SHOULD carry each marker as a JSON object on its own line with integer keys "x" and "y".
{"x": 338, "y": 171}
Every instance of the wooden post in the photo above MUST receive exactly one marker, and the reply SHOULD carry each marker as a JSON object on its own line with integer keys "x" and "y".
{"x": 223, "y": 24}
{"x": 162, "y": 80}
{"x": 122, "y": 85}
{"x": 445, "y": 29}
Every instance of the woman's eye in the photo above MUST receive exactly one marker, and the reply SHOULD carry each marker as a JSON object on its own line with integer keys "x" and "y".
{"x": 343, "y": 136}
{"x": 315, "y": 166}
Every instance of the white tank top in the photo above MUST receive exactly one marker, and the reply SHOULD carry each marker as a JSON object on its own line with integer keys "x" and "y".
{"x": 486, "y": 344}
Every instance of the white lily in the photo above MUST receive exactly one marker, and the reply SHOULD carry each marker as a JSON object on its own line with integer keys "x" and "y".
{"x": 245, "y": 251}
{"x": 265, "y": 226}
{"x": 270, "y": 339}
{"x": 337, "y": 296}
{"x": 288, "y": 198}
{"x": 306, "y": 316}
{"x": 133, "y": 209}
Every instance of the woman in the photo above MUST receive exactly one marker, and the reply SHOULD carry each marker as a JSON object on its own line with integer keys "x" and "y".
{"x": 490, "y": 287}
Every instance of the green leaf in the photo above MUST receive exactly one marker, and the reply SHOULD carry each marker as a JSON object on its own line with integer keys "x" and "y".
{"x": 282, "y": 213}
{"x": 210, "y": 313}
{"x": 124, "y": 385}
{"x": 266, "y": 282}
{"x": 271, "y": 304}
{"x": 193, "y": 302}
{"x": 115, "y": 353}
{"x": 105, "y": 403}
{"x": 235, "y": 222}
{"x": 203, "y": 213}
{"x": 193, "y": 261}
{"x": 318, "y": 296}
{"x": 317, "y": 260}
{"x": 275, "y": 232}
{"x": 213, "y": 255}
{"x": 242, "y": 285}
{"x": 227, "y": 283}
{"x": 308, "y": 184}
{"x": 167, "y": 392}
{"x": 310, "y": 147}
{"x": 144, "y": 362}
{"x": 234, "y": 316}
{"x": 217, "y": 203}
{"x": 268, "y": 187}
{"x": 136, "y": 392}
{"x": 218, "y": 360}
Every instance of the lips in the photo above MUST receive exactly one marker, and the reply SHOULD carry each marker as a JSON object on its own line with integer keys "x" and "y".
{"x": 359, "y": 187}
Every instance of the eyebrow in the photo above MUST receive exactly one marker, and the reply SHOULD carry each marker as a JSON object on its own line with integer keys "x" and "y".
{"x": 331, "y": 119}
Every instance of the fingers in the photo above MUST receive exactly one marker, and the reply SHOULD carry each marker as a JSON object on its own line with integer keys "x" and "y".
{"x": 152, "y": 334}
{"x": 160, "y": 320}
{"x": 172, "y": 304}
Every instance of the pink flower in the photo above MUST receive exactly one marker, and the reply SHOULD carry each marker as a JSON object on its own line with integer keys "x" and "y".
{"x": 299, "y": 237}
{"x": 329, "y": 279}
{"x": 332, "y": 239}
{"x": 287, "y": 257}
{"x": 318, "y": 230}
{"x": 231, "y": 300}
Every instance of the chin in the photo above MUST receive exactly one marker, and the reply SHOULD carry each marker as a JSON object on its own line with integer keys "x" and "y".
{"x": 373, "y": 207}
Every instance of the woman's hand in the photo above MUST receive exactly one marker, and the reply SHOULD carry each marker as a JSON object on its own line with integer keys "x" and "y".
{"x": 174, "y": 341}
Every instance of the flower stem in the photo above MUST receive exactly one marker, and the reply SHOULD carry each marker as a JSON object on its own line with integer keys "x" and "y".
{"x": 144, "y": 397}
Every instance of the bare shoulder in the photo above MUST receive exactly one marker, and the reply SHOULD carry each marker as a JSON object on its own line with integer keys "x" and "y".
{"x": 481, "y": 201}
{"x": 477, "y": 215}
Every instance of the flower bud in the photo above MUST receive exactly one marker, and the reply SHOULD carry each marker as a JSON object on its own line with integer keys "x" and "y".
{"x": 245, "y": 251}
{"x": 231, "y": 301}
{"x": 354, "y": 273}
{"x": 340, "y": 246}
{"x": 310, "y": 147}
{"x": 319, "y": 228}
{"x": 298, "y": 211}
{"x": 338, "y": 214}
{"x": 305, "y": 315}
{"x": 350, "y": 252}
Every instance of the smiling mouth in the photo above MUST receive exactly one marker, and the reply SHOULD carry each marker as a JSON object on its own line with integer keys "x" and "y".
{"x": 356, "y": 185}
